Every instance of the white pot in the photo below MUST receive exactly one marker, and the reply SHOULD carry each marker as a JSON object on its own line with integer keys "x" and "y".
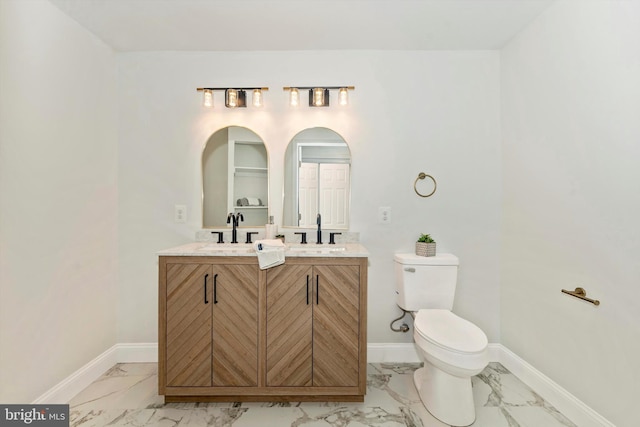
{"x": 425, "y": 249}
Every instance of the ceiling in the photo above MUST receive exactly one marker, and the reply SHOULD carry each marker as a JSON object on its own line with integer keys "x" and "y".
{"x": 240, "y": 25}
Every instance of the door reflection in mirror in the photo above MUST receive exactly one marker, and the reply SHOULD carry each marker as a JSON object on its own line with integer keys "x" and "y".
{"x": 317, "y": 180}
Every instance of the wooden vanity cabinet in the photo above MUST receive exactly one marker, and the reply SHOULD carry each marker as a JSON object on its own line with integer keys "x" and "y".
{"x": 313, "y": 325}
{"x": 208, "y": 324}
{"x": 231, "y": 332}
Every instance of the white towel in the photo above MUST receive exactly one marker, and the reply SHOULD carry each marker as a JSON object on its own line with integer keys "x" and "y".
{"x": 253, "y": 201}
{"x": 270, "y": 252}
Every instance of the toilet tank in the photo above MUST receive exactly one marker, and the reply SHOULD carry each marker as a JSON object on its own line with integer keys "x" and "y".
{"x": 425, "y": 282}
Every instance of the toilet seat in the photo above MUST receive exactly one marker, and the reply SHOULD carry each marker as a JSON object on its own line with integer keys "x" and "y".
{"x": 445, "y": 330}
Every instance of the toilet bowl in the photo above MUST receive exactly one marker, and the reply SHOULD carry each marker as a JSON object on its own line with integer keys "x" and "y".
{"x": 452, "y": 348}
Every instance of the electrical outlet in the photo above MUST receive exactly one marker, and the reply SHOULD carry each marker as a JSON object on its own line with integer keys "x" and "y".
{"x": 180, "y": 213}
{"x": 384, "y": 215}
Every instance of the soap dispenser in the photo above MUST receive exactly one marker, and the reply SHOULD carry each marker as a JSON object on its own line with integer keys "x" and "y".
{"x": 271, "y": 229}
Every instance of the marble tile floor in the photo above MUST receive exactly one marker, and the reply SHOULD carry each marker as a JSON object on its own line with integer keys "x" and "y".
{"x": 126, "y": 395}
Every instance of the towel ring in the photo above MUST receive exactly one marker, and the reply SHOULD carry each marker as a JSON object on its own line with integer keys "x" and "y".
{"x": 423, "y": 175}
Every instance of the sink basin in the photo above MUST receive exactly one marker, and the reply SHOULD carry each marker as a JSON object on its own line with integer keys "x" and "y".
{"x": 227, "y": 247}
{"x": 317, "y": 249}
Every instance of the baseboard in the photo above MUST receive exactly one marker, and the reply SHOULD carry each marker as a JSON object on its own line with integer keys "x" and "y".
{"x": 137, "y": 352}
{"x": 565, "y": 402}
{"x": 66, "y": 389}
{"x": 392, "y": 352}
{"x": 569, "y": 405}
{"x": 406, "y": 353}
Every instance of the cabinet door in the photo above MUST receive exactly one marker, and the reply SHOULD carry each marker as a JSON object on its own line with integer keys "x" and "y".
{"x": 336, "y": 325}
{"x": 289, "y": 326}
{"x": 188, "y": 335}
{"x": 235, "y": 325}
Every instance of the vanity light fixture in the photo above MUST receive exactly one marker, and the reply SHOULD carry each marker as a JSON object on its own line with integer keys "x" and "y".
{"x": 233, "y": 97}
{"x": 207, "y": 98}
{"x": 318, "y": 95}
{"x": 257, "y": 98}
{"x": 343, "y": 96}
{"x": 294, "y": 97}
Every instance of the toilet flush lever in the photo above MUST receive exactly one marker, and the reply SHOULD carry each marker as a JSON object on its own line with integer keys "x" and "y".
{"x": 410, "y": 269}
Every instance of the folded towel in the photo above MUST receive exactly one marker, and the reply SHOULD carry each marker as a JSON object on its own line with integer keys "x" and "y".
{"x": 253, "y": 201}
{"x": 270, "y": 252}
{"x": 269, "y": 244}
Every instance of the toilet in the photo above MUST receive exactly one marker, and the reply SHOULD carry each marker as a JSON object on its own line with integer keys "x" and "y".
{"x": 452, "y": 348}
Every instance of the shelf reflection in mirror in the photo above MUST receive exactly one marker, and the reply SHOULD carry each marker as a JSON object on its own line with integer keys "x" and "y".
{"x": 317, "y": 174}
{"x": 235, "y": 178}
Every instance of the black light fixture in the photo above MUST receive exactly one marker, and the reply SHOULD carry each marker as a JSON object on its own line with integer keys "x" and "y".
{"x": 233, "y": 97}
{"x": 318, "y": 95}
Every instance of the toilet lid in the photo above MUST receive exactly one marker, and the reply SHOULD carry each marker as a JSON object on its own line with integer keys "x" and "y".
{"x": 445, "y": 329}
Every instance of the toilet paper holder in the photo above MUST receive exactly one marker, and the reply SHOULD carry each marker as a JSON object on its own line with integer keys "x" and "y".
{"x": 582, "y": 294}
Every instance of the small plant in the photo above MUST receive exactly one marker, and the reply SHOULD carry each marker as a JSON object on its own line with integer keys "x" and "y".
{"x": 425, "y": 238}
{"x": 425, "y": 246}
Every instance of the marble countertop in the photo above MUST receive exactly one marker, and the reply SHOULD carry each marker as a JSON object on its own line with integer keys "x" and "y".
{"x": 342, "y": 250}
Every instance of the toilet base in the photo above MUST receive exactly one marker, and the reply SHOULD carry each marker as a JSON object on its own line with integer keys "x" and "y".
{"x": 446, "y": 397}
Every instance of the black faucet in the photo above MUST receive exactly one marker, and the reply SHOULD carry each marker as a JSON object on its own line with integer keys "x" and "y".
{"x": 319, "y": 238}
{"x": 332, "y": 237}
{"x": 303, "y": 235}
{"x": 219, "y": 233}
{"x": 234, "y": 219}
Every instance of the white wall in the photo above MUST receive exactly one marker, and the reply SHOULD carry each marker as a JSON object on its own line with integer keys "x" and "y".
{"x": 58, "y": 194}
{"x": 571, "y": 145}
{"x": 411, "y": 112}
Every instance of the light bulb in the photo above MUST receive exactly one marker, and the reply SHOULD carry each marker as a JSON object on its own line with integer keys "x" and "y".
{"x": 343, "y": 96}
{"x": 318, "y": 97}
{"x": 257, "y": 98}
{"x": 294, "y": 97}
{"x": 207, "y": 98}
{"x": 232, "y": 98}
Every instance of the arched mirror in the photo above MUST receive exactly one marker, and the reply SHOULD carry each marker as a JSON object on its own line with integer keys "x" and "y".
{"x": 317, "y": 180}
{"x": 235, "y": 178}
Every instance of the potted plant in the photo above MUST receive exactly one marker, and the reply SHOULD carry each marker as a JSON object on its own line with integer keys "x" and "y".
{"x": 425, "y": 246}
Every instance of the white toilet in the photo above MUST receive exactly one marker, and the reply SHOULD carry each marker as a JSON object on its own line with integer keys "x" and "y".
{"x": 453, "y": 349}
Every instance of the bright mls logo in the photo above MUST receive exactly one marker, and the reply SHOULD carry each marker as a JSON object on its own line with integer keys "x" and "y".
{"x": 34, "y": 415}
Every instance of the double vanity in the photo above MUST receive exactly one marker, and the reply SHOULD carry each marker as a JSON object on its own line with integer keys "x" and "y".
{"x": 229, "y": 331}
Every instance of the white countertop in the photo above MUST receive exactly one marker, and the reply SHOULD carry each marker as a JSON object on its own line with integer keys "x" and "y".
{"x": 341, "y": 250}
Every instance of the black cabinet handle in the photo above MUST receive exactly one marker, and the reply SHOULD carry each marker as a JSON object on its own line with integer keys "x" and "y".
{"x": 215, "y": 288}
{"x": 307, "y": 289}
{"x": 317, "y": 290}
{"x": 206, "y": 276}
